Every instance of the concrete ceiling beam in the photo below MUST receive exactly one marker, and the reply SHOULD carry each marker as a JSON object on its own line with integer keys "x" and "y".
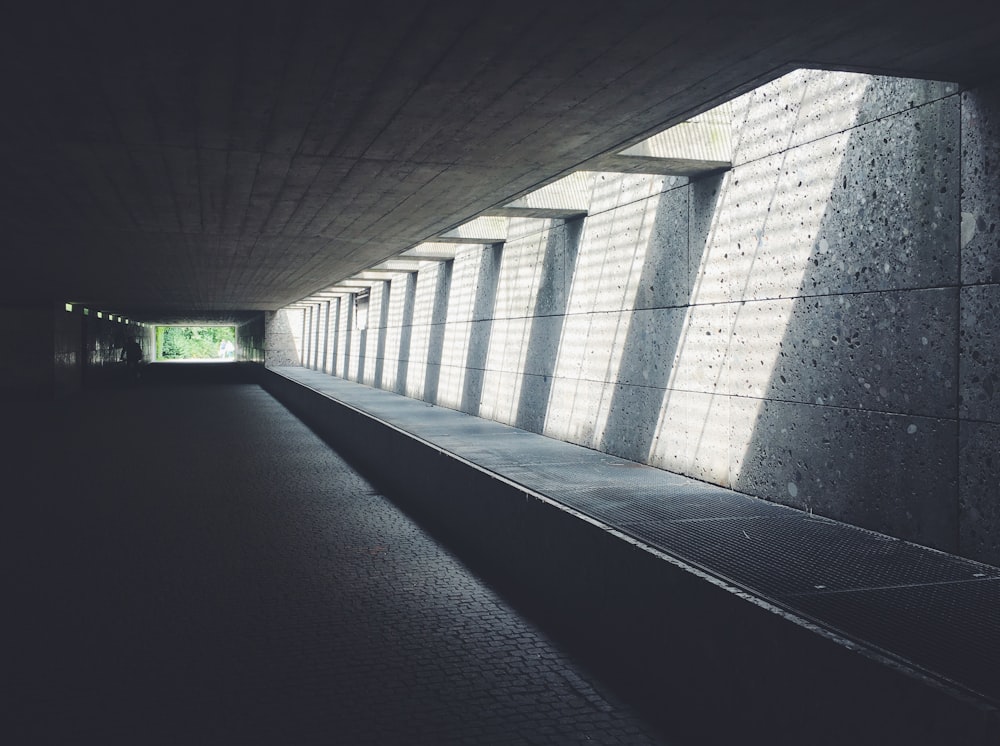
{"x": 481, "y": 230}
{"x": 564, "y": 199}
{"x": 401, "y": 264}
{"x": 388, "y": 271}
{"x": 699, "y": 146}
{"x": 430, "y": 251}
{"x": 372, "y": 277}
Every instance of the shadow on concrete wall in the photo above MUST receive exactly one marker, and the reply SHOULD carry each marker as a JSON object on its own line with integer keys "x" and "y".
{"x": 347, "y": 316}
{"x": 405, "y": 331}
{"x": 435, "y": 342}
{"x": 333, "y": 338}
{"x": 306, "y": 336}
{"x": 485, "y": 293}
{"x": 547, "y": 318}
{"x": 324, "y": 331}
{"x": 855, "y": 418}
{"x": 382, "y": 321}
{"x": 658, "y": 319}
{"x": 362, "y": 339}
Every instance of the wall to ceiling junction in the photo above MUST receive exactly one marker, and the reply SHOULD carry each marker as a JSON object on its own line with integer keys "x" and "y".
{"x": 813, "y": 326}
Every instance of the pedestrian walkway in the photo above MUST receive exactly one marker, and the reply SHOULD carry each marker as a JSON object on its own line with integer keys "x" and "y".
{"x": 190, "y": 564}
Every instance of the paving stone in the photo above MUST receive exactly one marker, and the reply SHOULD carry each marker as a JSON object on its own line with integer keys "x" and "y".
{"x": 247, "y": 586}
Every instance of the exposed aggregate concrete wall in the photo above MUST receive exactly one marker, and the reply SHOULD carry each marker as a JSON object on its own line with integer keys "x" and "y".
{"x": 283, "y": 337}
{"x": 814, "y": 327}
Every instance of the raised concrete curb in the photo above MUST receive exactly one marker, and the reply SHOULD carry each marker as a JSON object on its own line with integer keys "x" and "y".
{"x": 661, "y": 631}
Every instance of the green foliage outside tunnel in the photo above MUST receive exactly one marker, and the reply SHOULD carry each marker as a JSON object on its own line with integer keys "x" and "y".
{"x": 195, "y": 342}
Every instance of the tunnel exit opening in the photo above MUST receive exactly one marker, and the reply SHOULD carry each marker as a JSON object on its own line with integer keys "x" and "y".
{"x": 191, "y": 344}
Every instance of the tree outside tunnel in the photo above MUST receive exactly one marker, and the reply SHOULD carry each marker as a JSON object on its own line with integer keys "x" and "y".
{"x": 176, "y": 343}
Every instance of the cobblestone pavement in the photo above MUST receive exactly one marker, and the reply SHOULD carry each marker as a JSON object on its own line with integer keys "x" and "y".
{"x": 192, "y": 565}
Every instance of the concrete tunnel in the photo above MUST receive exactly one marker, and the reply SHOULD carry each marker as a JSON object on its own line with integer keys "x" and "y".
{"x": 602, "y": 373}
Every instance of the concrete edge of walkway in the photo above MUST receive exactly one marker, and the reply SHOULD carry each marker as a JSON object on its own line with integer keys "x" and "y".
{"x": 694, "y": 654}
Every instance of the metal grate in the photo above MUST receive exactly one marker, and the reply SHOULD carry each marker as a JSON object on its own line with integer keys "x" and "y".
{"x": 950, "y": 628}
{"x": 522, "y": 457}
{"x": 939, "y": 611}
{"x": 670, "y": 503}
{"x": 788, "y": 553}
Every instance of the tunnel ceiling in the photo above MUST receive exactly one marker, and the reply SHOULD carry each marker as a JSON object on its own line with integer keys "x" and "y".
{"x": 220, "y": 156}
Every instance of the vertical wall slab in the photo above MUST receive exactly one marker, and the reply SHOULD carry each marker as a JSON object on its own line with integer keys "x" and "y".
{"x": 480, "y": 327}
{"x": 345, "y": 336}
{"x": 789, "y": 328}
{"x": 889, "y": 352}
{"x": 691, "y": 435}
{"x": 981, "y": 185}
{"x": 979, "y": 516}
{"x": 980, "y": 353}
{"x": 404, "y": 294}
{"x": 67, "y": 330}
{"x": 979, "y": 491}
{"x": 250, "y": 340}
{"x": 393, "y": 333}
{"x": 458, "y": 326}
{"x": 333, "y": 336}
{"x": 282, "y": 337}
{"x": 374, "y": 347}
{"x": 427, "y": 290}
{"x": 319, "y": 338}
{"x": 307, "y": 336}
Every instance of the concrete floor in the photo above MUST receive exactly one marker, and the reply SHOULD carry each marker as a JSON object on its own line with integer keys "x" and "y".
{"x": 191, "y": 564}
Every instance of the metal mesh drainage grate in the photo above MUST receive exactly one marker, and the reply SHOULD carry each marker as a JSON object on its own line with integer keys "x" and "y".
{"x": 950, "y": 628}
{"x": 779, "y": 555}
{"x": 936, "y": 610}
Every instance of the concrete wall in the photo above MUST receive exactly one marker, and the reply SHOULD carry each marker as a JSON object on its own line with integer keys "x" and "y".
{"x": 250, "y": 344}
{"x": 67, "y": 352}
{"x": 979, "y": 344}
{"x": 102, "y": 343}
{"x": 283, "y": 337}
{"x": 813, "y": 327}
{"x": 49, "y": 351}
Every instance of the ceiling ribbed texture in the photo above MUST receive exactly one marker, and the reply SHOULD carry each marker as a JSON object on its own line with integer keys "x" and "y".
{"x": 223, "y": 157}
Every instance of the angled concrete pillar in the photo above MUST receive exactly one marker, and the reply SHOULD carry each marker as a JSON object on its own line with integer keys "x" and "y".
{"x": 306, "y": 336}
{"x": 324, "y": 332}
{"x": 345, "y": 336}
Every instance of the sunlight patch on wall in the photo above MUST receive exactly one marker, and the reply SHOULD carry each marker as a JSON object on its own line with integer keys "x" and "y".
{"x": 393, "y": 331}
{"x": 331, "y": 336}
{"x": 609, "y": 266}
{"x": 772, "y": 208}
{"x": 423, "y": 311}
{"x": 346, "y": 335}
{"x": 459, "y": 328}
{"x": 358, "y": 331}
{"x": 374, "y": 331}
{"x": 517, "y": 293}
{"x": 293, "y": 323}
